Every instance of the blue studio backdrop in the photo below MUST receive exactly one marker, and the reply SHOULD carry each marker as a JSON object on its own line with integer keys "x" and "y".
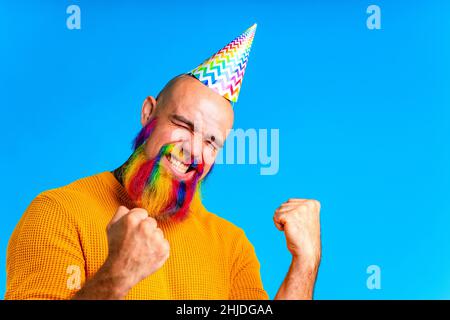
{"x": 362, "y": 114}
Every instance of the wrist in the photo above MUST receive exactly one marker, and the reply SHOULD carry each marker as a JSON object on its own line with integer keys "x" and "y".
{"x": 305, "y": 263}
{"x": 115, "y": 282}
{"x": 104, "y": 285}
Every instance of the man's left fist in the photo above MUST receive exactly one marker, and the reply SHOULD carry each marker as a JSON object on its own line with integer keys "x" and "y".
{"x": 300, "y": 221}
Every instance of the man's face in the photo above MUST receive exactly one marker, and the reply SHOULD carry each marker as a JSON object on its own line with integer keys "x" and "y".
{"x": 193, "y": 118}
{"x": 176, "y": 148}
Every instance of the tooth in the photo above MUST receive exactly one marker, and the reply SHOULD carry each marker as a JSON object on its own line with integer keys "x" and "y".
{"x": 178, "y": 165}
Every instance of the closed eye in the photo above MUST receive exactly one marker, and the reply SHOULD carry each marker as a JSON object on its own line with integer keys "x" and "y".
{"x": 212, "y": 145}
{"x": 182, "y": 122}
{"x": 182, "y": 125}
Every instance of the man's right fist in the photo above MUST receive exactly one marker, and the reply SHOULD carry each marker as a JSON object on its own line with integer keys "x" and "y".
{"x": 137, "y": 247}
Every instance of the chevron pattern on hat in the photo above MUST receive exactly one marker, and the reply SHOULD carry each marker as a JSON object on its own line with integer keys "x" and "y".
{"x": 224, "y": 71}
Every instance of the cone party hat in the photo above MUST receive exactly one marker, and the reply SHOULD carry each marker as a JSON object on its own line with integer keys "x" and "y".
{"x": 224, "y": 71}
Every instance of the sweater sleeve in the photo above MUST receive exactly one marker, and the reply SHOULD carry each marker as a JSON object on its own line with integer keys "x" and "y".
{"x": 44, "y": 258}
{"x": 246, "y": 278}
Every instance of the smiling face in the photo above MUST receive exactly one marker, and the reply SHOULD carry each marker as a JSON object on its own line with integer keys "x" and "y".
{"x": 191, "y": 117}
{"x": 176, "y": 148}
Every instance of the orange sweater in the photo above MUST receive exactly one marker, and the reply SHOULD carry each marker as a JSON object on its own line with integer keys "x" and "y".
{"x": 61, "y": 241}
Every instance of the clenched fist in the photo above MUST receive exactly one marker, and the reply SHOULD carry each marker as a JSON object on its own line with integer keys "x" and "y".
{"x": 300, "y": 221}
{"x": 137, "y": 247}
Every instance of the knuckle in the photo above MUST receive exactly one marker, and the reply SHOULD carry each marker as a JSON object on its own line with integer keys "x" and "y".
{"x": 130, "y": 219}
{"x": 295, "y": 213}
{"x": 152, "y": 222}
{"x": 149, "y": 222}
{"x": 309, "y": 204}
{"x": 139, "y": 212}
{"x": 156, "y": 238}
{"x": 159, "y": 233}
{"x": 146, "y": 226}
{"x": 289, "y": 216}
{"x": 165, "y": 244}
{"x": 162, "y": 248}
{"x": 313, "y": 204}
{"x": 144, "y": 211}
{"x": 317, "y": 203}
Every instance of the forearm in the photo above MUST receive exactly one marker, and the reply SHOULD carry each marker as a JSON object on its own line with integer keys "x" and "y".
{"x": 299, "y": 281}
{"x": 102, "y": 286}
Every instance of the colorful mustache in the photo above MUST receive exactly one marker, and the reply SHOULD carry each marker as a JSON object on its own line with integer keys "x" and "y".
{"x": 150, "y": 185}
{"x": 142, "y": 177}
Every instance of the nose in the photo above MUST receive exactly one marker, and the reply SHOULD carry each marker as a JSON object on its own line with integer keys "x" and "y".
{"x": 197, "y": 147}
{"x": 192, "y": 150}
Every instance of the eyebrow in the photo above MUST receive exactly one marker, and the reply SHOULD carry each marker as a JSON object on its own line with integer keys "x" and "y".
{"x": 191, "y": 126}
{"x": 180, "y": 118}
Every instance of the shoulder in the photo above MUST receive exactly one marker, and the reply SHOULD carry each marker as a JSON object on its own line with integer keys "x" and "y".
{"x": 76, "y": 190}
{"x": 213, "y": 220}
{"x": 234, "y": 241}
{"x": 226, "y": 231}
{"x": 59, "y": 203}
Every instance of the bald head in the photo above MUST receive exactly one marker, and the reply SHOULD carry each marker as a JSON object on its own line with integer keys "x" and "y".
{"x": 174, "y": 82}
{"x": 191, "y": 115}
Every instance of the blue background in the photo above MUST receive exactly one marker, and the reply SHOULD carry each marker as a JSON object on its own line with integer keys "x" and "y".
{"x": 363, "y": 118}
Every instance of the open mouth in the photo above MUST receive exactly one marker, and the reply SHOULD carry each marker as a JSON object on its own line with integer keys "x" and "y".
{"x": 178, "y": 166}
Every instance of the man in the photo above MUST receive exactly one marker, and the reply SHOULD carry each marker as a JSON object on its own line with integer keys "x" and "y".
{"x": 141, "y": 231}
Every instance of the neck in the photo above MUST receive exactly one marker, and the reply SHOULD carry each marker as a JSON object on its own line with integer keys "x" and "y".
{"x": 118, "y": 173}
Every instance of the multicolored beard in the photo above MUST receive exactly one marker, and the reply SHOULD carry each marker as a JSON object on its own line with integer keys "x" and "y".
{"x": 152, "y": 187}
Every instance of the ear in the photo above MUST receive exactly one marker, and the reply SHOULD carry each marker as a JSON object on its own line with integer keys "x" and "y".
{"x": 148, "y": 110}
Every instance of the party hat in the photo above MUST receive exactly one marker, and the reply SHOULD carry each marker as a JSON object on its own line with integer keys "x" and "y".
{"x": 224, "y": 71}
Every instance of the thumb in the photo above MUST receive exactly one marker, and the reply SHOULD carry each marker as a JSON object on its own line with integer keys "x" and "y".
{"x": 121, "y": 211}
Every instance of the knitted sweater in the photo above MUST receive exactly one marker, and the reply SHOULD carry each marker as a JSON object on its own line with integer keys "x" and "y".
{"x": 61, "y": 241}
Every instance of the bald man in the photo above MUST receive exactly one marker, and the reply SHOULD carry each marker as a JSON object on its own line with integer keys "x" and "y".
{"x": 142, "y": 232}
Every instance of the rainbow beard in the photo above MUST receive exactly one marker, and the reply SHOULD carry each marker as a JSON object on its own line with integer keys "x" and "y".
{"x": 153, "y": 188}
